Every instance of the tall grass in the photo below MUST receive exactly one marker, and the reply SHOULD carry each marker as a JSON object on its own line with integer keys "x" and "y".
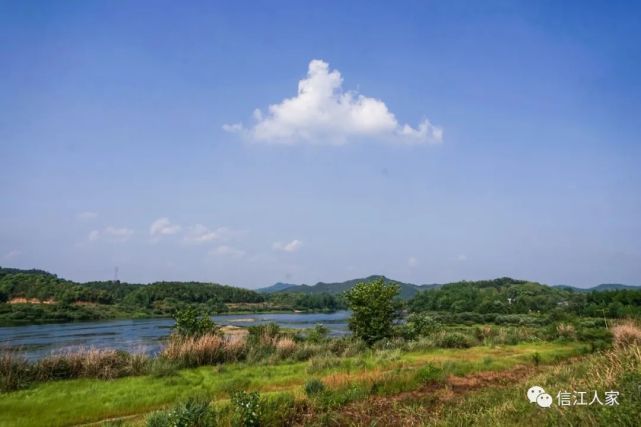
{"x": 204, "y": 350}
{"x": 16, "y": 372}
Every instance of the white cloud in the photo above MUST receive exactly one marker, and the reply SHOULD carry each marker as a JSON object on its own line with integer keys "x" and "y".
{"x": 412, "y": 262}
{"x": 12, "y": 254}
{"x": 323, "y": 112}
{"x": 112, "y": 234}
{"x": 292, "y": 246}
{"x": 224, "y": 250}
{"x": 201, "y": 234}
{"x": 86, "y": 216}
{"x": 163, "y": 227}
{"x": 462, "y": 257}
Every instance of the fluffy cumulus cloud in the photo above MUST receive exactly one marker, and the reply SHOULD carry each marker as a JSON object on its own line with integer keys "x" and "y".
{"x": 110, "y": 233}
{"x": 323, "y": 112}
{"x": 163, "y": 227}
{"x": 292, "y": 246}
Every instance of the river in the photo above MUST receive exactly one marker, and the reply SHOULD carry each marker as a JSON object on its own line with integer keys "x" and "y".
{"x": 142, "y": 335}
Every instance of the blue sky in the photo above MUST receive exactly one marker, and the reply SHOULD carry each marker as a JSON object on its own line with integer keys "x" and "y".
{"x": 460, "y": 141}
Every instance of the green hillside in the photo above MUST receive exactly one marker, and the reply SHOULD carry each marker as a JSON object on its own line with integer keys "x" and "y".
{"x": 407, "y": 290}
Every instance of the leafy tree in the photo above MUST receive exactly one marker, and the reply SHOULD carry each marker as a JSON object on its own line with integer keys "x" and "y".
{"x": 192, "y": 323}
{"x": 374, "y": 310}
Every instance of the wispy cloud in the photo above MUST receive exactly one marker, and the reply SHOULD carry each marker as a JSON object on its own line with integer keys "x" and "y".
{"x": 163, "y": 227}
{"x": 322, "y": 112}
{"x": 412, "y": 262}
{"x": 203, "y": 234}
{"x": 112, "y": 234}
{"x": 292, "y": 246}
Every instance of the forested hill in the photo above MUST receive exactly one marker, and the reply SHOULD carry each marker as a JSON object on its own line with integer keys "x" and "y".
{"x": 32, "y": 296}
{"x": 43, "y": 286}
{"x": 406, "y": 290}
{"x": 510, "y": 296}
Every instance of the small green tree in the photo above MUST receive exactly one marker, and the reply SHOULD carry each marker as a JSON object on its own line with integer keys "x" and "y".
{"x": 374, "y": 310}
{"x": 192, "y": 323}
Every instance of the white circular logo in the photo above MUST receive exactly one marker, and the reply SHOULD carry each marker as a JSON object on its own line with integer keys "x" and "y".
{"x": 544, "y": 400}
{"x": 534, "y": 392}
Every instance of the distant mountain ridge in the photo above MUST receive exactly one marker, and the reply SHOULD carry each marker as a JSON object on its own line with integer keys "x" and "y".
{"x": 276, "y": 287}
{"x": 601, "y": 288}
{"x": 406, "y": 290}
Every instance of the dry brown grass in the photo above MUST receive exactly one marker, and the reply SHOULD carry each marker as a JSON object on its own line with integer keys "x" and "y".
{"x": 285, "y": 347}
{"x": 90, "y": 363}
{"x": 626, "y": 333}
{"x": 566, "y": 330}
{"x": 205, "y": 350}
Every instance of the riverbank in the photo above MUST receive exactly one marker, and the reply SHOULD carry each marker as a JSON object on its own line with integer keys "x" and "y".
{"x": 26, "y": 314}
{"x": 87, "y": 400}
{"x": 144, "y": 335}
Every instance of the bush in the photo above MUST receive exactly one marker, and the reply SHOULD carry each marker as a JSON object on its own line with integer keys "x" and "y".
{"x": 192, "y": 413}
{"x": 317, "y": 334}
{"x": 247, "y": 408}
{"x": 454, "y": 340}
{"x": 374, "y": 310}
{"x": 192, "y": 323}
{"x": 314, "y": 387}
{"x": 536, "y": 358}
{"x": 419, "y": 325}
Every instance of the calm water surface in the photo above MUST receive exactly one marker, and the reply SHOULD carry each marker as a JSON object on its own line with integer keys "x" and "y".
{"x": 143, "y": 335}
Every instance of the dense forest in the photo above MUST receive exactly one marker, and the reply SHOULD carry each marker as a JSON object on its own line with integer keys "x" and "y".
{"x": 510, "y": 296}
{"x": 28, "y": 296}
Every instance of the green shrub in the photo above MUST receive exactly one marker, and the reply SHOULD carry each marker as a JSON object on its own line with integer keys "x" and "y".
{"x": 191, "y": 413}
{"x": 374, "y": 310}
{"x": 247, "y": 409}
{"x": 454, "y": 340}
{"x": 190, "y": 322}
{"x": 314, "y": 387}
{"x": 420, "y": 325}
{"x": 158, "y": 419}
{"x": 429, "y": 373}
{"x": 536, "y": 358}
{"x": 317, "y": 334}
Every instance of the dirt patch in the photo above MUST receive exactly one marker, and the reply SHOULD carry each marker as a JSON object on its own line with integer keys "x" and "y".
{"x": 22, "y": 300}
{"x": 412, "y": 408}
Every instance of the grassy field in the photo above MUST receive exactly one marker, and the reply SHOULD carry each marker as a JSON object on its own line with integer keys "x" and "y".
{"x": 382, "y": 372}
